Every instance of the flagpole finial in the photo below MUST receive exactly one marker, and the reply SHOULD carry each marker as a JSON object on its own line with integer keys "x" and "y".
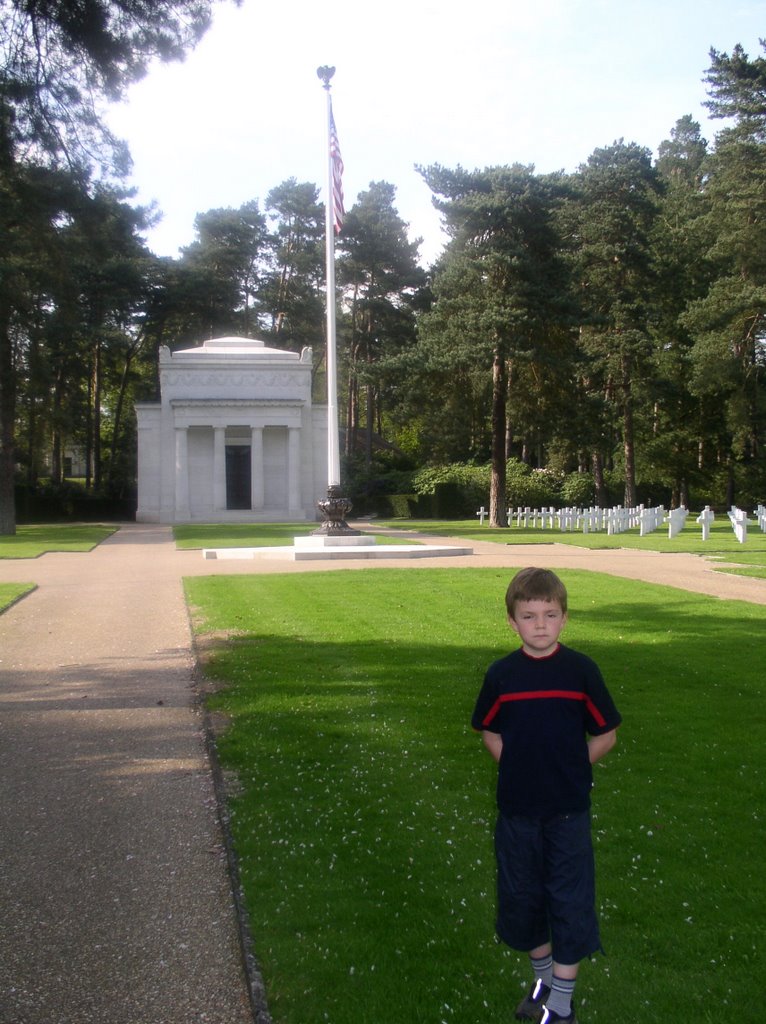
{"x": 325, "y": 73}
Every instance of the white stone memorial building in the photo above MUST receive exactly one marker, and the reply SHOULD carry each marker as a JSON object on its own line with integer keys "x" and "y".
{"x": 234, "y": 437}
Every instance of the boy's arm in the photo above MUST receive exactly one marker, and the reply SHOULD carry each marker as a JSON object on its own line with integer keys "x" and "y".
{"x": 493, "y": 741}
{"x": 600, "y": 745}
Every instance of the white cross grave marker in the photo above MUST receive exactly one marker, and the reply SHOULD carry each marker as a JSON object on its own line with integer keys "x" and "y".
{"x": 738, "y": 520}
{"x": 706, "y": 517}
{"x": 676, "y": 520}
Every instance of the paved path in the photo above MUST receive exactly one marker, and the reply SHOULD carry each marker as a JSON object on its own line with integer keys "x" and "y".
{"x": 116, "y": 901}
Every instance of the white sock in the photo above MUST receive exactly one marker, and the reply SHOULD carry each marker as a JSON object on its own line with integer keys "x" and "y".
{"x": 560, "y": 999}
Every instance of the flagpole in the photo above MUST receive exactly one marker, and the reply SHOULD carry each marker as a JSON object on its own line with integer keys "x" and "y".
{"x": 333, "y": 508}
{"x": 333, "y": 442}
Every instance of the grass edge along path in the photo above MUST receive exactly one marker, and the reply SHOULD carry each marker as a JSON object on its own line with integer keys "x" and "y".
{"x": 31, "y": 541}
{"x": 10, "y": 593}
{"x": 363, "y": 807}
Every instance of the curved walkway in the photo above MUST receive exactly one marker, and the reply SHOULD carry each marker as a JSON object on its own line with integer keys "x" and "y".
{"x": 117, "y": 902}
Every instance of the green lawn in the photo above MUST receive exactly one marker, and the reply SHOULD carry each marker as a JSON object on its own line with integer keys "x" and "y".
{"x": 722, "y": 545}
{"x": 32, "y": 541}
{"x": 722, "y": 537}
{"x": 10, "y": 593}
{"x": 239, "y": 535}
{"x": 363, "y": 814}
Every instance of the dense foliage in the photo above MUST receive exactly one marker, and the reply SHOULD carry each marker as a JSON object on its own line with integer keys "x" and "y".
{"x": 73, "y": 271}
{"x": 587, "y": 337}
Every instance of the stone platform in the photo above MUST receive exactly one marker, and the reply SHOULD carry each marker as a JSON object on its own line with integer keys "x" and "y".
{"x": 328, "y": 547}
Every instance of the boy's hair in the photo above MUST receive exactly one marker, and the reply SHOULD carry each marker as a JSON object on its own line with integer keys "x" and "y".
{"x": 533, "y": 584}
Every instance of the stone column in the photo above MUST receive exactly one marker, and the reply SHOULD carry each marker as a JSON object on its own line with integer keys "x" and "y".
{"x": 256, "y": 468}
{"x": 294, "y": 470}
{"x": 182, "y": 511}
{"x": 219, "y": 469}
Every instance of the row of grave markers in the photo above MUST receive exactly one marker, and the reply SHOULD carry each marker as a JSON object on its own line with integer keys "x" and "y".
{"x": 618, "y": 519}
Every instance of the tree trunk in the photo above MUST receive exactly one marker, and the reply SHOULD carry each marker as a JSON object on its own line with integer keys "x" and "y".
{"x": 369, "y": 427}
{"x": 97, "y": 417}
{"x": 26, "y": 411}
{"x": 7, "y": 367}
{"x": 352, "y": 413}
{"x": 508, "y": 426}
{"x": 7, "y": 435}
{"x": 629, "y": 449}
{"x": 497, "y": 517}
{"x": 684, "y": 493}
{"x": 56, "y": 464}
{"x": 118, "y": 416}
{"x": 369, "y": 405}
{"x": 628, "y": 441}
{"x": 730, "y": 487}
{"x": 598, "y": 480}
{"x": 89, "y": 432}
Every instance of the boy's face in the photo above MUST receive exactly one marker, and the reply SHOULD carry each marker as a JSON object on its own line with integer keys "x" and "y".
{"x": 539, "y": 624}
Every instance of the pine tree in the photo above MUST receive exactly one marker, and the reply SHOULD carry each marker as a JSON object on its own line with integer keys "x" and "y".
{"x": 501, "y": 290}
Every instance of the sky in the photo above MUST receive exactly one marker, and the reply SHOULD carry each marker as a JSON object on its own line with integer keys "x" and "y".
{"x": 536, "y": 82}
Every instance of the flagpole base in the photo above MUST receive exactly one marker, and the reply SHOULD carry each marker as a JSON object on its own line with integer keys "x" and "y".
{"x": 334, "y": 510}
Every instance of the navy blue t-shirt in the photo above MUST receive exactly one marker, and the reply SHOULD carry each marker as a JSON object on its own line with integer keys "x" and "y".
{"x": 544, "y": 709}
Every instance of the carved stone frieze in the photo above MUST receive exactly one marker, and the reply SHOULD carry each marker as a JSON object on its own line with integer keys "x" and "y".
{"x": 208, "y": 379}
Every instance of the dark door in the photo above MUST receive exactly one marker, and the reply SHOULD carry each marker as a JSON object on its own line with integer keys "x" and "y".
{"x": 238, "y": 484}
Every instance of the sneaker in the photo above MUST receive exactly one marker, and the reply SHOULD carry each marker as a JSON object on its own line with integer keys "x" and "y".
{"x": 531, "y": 1006}
{"x": 551, "y": 1017}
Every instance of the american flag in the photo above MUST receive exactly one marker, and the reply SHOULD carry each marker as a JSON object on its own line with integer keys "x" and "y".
{"x": 337, "y": 176}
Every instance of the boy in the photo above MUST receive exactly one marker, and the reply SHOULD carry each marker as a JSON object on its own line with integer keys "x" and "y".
{"x": 546, "y": 717}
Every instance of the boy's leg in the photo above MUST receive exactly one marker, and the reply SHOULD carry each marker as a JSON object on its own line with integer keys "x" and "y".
{"x": 532, "y": 1005}
{"x": 571, "y": 902}
{"x": 571, "y": 891}
{"x": 541, "y": 960}
{"x": 559, "y": 1000}
{"x": 522, "y": 922}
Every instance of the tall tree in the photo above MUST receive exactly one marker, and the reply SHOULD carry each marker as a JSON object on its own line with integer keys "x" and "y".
{"x": 289, "y": 294}
{"x": 618, "y": 202}
{"x": 84, "y": 279}
{"x": 223, "y": 267}
{"x": 680, "y": 435}
{"x": 501, "y": 290}
{"x": 58, "y": 62}
{"x": 729, "y": 321}
{"x": 379, "y": 274}
{"x": 110, "y": 264}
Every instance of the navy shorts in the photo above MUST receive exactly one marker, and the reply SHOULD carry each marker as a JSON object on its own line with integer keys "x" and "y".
{"x": 546, "y": 889}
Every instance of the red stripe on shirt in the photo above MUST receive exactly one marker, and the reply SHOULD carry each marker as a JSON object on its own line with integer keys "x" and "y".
{"x": 546, "y": 695}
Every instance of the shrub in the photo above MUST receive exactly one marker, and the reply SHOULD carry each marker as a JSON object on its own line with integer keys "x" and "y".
{"x": 455, "y": 490}
{"x": 535, "y": 488}
{"x": 52, "y": 503}
{"x": 577, "y": 490}
{"x": 398, "y": 506}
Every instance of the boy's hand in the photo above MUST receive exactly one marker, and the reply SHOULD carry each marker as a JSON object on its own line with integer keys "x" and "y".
{"x": 493, "y": 741}
{"x": 598, "y": 746}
